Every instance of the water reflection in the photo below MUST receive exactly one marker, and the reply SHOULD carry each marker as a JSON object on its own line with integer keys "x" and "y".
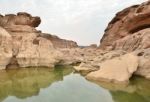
{"x": 137, "y": 91}
{"x": 23, "y": 83}
{"x": 62, "y": 85}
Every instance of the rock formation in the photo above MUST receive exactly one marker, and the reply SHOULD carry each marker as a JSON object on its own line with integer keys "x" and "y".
{"x": 5, "y": 48}
{"x": 127, "y": 25}
{"x": 125, "y": 48}
{"x": 58, "y": 42}
{"x": 116, "y": 70}
{"x": 24, "y": 46}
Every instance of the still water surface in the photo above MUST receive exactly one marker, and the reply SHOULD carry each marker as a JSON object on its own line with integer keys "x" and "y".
{"x": 62, "y": 85}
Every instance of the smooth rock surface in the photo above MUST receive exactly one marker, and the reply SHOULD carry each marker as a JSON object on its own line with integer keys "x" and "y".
{"x": 92, "y": 60}
{"x": 116, "y": 70}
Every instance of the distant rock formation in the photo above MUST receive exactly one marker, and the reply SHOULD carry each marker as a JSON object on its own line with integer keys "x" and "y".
{"x": 129, "y": 29}
{"x": 58, "y": 42}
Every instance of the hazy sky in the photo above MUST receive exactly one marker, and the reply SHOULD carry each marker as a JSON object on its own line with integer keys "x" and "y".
{"x": 80, "y": 20}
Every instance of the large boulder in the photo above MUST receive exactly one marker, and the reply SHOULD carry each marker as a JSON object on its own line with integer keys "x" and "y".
{"x": 117, "y": 70}
{"x": 125, "y": 26}
{"x": 93, "y": 60}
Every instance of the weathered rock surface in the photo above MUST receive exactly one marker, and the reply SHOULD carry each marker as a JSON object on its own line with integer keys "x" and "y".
{"x": 93, "y": 58}
{"x": 35, "y": 51}
{"x": 118, "y": 69}
{"x": 128, "y": 32}
{"x": 24, "y": 46}
{"x": 24, "y": 22}
{"x": 144, "y": 63}
{"x": 125, "y": 25}
{"x": 22, "y": 18}
{"x": 136, "y": 41}
{"x": 124, "y": 49}
{"x": 5, "y": 48}
{"x": 58, "y": 42}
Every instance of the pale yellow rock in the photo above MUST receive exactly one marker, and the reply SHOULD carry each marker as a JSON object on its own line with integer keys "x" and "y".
{"x": 85, "y": 69}
{"x": 144, "y": 63}
{"x": 93, "y": 59}
{"x": 5, "y": 48}
{"x": 116, "y": 70}
{"x": 36, "y": 51}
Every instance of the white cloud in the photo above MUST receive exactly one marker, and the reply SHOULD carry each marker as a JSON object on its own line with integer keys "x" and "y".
{"x": 81, "y": 20}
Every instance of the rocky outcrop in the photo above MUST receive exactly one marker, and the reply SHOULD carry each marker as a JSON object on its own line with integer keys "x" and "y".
{"x": 35, "y": 51}
{"x": 22, "y": 22}
{"x": 93, "y": 58}
{"x": 127, "y": 25}
{"x": 24, "y": 46}
{"x": 58, "y": 42}
{"x": 116, "y": 70}
{"x": 128, "y": 32}
{"x": 136, "y": 41}
{"x": 5, "y": 48}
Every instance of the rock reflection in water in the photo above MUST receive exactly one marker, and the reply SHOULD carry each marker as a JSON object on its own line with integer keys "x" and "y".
{"x": 23, "y": 83}
{"x": 137, "y": 91}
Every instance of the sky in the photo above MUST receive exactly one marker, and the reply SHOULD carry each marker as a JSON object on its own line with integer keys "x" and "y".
{"x": 83, "y": 21}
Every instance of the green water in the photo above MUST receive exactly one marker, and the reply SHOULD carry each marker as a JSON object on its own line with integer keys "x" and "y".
{"x": 62, "y": 85}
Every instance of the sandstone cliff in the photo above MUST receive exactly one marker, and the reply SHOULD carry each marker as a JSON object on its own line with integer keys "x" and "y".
{"x": 22, "y": 45}
{"x": 126, "y": 30}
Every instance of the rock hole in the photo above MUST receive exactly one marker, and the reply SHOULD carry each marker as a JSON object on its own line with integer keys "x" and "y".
{"x": 13, "y": 63}
{"x": 140, "y": 54}
{"x": 36, "y": 41}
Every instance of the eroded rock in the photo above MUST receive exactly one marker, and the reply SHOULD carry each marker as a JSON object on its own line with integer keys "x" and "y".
{"x": 58, "y": 42}
{"x": 5, "y": 48}
{"x": 24, "y": 46}
{"x": 93, "y": 60}
{"x": 125, "y": 23}
{"x": 116, "y": 70}
{"x": 144, "y": 65}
